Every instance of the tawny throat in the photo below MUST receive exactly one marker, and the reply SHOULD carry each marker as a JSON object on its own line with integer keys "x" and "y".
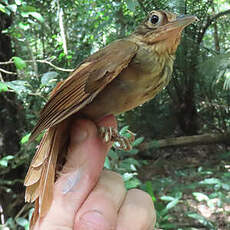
{"x": 126, "y": 73}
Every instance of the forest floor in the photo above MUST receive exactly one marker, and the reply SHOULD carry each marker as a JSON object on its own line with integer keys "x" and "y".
{"x": 191, "y": 186}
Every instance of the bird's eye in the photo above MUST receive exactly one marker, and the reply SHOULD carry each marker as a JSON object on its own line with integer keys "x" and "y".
{"x": 154, "y": 19}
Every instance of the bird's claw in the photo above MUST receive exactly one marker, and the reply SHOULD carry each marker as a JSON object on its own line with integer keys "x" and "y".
{"x": 110, "y": 134}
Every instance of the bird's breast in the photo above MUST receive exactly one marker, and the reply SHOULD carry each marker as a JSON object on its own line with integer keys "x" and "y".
{"x": 145, "y": 76}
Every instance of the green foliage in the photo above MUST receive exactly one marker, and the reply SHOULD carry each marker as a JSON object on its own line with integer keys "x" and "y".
{"x": 201, "y": 72}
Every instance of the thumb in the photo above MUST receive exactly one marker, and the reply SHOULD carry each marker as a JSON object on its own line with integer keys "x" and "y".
{"x": 84, "y": 163}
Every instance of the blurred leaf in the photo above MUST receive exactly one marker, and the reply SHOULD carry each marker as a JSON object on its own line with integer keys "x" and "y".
{"x": 18, "y": 2}
{"x": 172, "y": 204}
{"x": 12, "y": 7}
{"x": 200, "y": 196}
{"x": 168, "y": 226}
{"x": 167, "y": 198}
{"x": 4, "y": 9}
{"x": 4, "y": 161}
{"x": 25, "y": 138}
{"x": 138, "y": 141}
{"x": 123, "y": 131}
{"x": 19, "y": 86}
{"x": 48, "y": 78}
{"x": 27, "y": 8}
{"x": 37, "y": 16}
{"x": 133, "y": 183}
{"x": 149, "y": 190}
{"x": 202, "y": 220}
{"x": 210, "y": 181}
{"x": 24, "y": 26}
{"x": 132, "y": 4}
{"x": 3, "y": 87}
{"x": 19, "y": 63}
{"x": 107, "y": 163}
{"x": 23, "y": 222}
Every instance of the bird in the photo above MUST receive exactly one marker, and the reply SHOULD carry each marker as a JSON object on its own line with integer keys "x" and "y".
{"x": 119, "y": 77}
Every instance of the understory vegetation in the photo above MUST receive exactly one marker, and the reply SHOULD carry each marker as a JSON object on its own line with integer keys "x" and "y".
{"x": 41, "y": 42}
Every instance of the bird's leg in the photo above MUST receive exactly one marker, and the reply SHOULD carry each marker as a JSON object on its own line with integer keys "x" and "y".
{"x": 110, "y": 134}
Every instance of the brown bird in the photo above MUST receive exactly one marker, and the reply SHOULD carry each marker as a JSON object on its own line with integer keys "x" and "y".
{"x": 126, "y": 73}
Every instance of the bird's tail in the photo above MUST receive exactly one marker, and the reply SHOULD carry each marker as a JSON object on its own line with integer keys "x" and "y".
{"x": 40, "y": 177}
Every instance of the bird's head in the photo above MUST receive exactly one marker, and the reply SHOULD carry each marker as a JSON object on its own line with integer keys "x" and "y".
{"x": 162, "y": 29}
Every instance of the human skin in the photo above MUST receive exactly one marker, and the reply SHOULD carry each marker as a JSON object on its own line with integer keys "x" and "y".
{"x": 86, "y": 197}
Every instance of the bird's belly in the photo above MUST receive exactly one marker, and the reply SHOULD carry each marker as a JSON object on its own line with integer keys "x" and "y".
{"x": 127, "y": 91}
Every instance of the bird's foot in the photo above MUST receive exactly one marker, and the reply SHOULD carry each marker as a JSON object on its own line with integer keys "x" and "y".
{"x": 110, "y": 134}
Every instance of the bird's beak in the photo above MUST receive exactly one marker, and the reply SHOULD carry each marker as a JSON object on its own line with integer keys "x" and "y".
{"x": 182, "y": 21}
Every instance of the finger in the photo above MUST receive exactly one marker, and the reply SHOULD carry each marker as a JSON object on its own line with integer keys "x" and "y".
{"x": 137, "y": 212}
{"x": 99, "y": 211}
{"x": 84, "y": 164}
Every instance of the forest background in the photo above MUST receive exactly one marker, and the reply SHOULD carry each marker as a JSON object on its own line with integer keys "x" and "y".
{"x": 181, "y": 155}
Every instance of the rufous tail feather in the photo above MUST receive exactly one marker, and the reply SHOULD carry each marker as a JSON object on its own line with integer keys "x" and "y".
{"x": 40, "y": 177}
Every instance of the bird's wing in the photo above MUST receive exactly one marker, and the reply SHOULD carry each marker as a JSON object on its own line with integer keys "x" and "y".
{"x": 81, "y": 87}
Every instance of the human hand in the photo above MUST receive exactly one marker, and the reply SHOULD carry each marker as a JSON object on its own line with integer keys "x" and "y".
{"x": 87, "y": 198}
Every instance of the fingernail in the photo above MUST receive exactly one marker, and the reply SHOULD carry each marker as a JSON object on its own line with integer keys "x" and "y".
{"x": 79, "y": 133}
{"x": 93, "y": 220}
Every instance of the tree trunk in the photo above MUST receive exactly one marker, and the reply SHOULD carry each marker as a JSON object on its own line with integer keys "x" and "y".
{"x": 10, "y": 118}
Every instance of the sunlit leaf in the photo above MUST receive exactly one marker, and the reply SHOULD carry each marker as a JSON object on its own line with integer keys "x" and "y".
{"x": 19, "y": 86}
{"x": 19, "y": 63}
{"x": 210, "y": 181}
{"x": 12, "y": 7}
{"x": 22, "y": 222}
{"x": 3, "y": 87}
{"x": 18, "y": 2}
{"x": 25, "y": 138}
{"x": 200, "y": 196}
{"x": 37, "y": 16}
{"x": 4, "y": 161}
{"x": 48, "y": 78}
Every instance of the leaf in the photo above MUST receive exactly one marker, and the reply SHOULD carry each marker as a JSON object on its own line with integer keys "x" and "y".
{"x": 107, "y": 163}
{"x": 133, "y": 183}
{"x": 19, "y": 86}
{"x": 210, "y": 181}
{"x": 202, "y": 220}
{"x": 4, "y": 161}
{"x": 12, "y": 7}
{"x": 138, "y": 141}
{"x": 19, "y": 63}
{"x": 149, "y": 189}
{"x": 3, "y": 87}
{"x": 123, "y": 131}
{"x": 24, "y": 26}
{"x": 37, "y": 16}
{"x": 22, "y": 222}
{"x": 167, "y": 198}
{"x": 172, "y": 204}
{"x": 132, "y": 4}
{"x": 25, "y": 138}
{"x": 4, "y": 9}
{"x": 200, "y": 196}
{"x": 28, "y": 9}
{"x": 18, "y": 2}
{"x": 48, "y": 78}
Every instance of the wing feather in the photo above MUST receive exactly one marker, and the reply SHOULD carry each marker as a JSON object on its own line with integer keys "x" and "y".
{"x": 82, "y": 86}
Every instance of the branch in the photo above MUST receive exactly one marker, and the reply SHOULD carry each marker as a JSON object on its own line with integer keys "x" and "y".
{"x": 32, "y": 61}
{"x": 7, "y": 72}
{"x": 209, "y": 22}
{"x": 209, "y": 138}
